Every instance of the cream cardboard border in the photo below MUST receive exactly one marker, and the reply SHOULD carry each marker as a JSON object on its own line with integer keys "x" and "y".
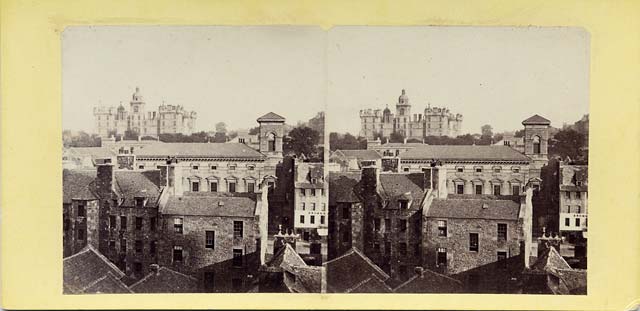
{"x": 31, "y": 134}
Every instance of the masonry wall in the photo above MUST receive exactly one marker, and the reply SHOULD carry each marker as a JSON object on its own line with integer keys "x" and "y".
{"x": 73, "y": 224}
{"x": 459, "y": 257}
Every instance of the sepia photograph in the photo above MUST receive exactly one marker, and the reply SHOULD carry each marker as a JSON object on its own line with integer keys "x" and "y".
{"x": 196, "y": 160}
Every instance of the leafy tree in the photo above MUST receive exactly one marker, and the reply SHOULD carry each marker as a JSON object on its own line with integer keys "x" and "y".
{"x": 346, "y": 142}
{"x": 221, "y": 127}
{"x": 219, "y": 137}
{"x": 568, "y": 142}
{"x": 413, "y": 140}
{"x": 486, "y": 130}
{"x": 519, "y": 133}
{"x": 302, "y": 141}
{"x": 396, "y": 137}
{"x": 254, "y": 130}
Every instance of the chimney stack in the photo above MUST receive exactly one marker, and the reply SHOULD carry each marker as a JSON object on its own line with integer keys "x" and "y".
{"x": 419, "y": 271}
{"x": 370, "y": 179}
{"x": 105, "y": 180}
{"x": 155, "y": 268}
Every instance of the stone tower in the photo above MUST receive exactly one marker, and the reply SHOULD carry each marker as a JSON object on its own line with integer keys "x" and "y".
{"x": 271, "y": 135}
{"x": 536, "y": 138}
{"x": 137, "y": 115}
{"x": 403, "y": 114}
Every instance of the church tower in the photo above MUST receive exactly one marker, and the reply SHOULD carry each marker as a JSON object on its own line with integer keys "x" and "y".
{"x": 536, "y": 138}
{"x": 403, "y": 114}
{"x": 136, "y": 115}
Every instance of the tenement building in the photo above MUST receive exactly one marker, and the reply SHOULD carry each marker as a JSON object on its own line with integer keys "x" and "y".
{"x": 168, "y": 119}
{"x": 573, "y": 192}
{"x": 310, "y": 199}
{"x": 434, "y": 122}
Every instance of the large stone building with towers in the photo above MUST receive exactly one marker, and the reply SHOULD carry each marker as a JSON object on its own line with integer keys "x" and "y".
{"x": 168, "y": 119}
{"x": 434, "y": 122}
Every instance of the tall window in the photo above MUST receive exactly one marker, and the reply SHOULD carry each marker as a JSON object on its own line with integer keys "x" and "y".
{"x": 237, "y": 229}
{"x": 322, "y": 220}
{"x": 567, "y": 222}
{"x": 442, "y": 228}
{"x": 441, "y": 258}
{"x": 81, "y": 210}
{"x": 403, "y": 204}
{"x": 502, "y": 232}
{"x": 312, "y": 219}
{"x": 177, "y": 253}
{"x": 478, "y": 189}
{"x": 153, "y": 222}
{"x": 402, "y": 225}
{"x": 112, "y": 222}
{"x": 313, "y": 206}
{"x": 81, "y": 234}
{"x": 577, "y": 222}
{"x": 209, "y": 239}
{"x": 473, "y": 242}
{"x": 232, "y": 186}
{"x": 303, "y": 206}
{"x": 251, "y": 187}
{"x": 376, "y": 224}
{"x": 302, "y": 219}
{"x": 271, "y": 138}
{"x": 123, "y": 222}
{"x": 177, "y": 225}
{"x": 303, "y": 192}
{"x": 195, "y": 186}
{"x": 313, "y": 192}
{"x": 346, "y": 213}
{"x": 213, "y": 187}
{"x": 123, "y": 245}
{"x": 536, "y": 144}
{"x": 237, "y": 257}
{"x": 138, "y": 223}
{"x": 459, "y": 188}
{"x": 138, "y": 246}
{"x": 515, "y": 189}
{"x": 496, "y": 189}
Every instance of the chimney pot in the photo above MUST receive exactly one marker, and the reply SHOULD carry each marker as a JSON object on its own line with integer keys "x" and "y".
{"x": 419, "y": 271}
{"x": 155, "y": 268}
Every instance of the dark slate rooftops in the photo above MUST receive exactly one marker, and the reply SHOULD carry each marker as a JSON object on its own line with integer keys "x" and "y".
{"x": 93, "y": 152}
{"x": 304, "y": 279}
{"x": 211, "y": 204}
{"x": 271, "y": 117}
{"x": 203, "y": 150}
{"x": 371, "y": 285}
{"x": 349, "y": 270}
{"x": 132, "y": 184}
{"x": 549, "y": 261}
{"x": 76, "y": 185}
{"x": 341, "y": 187}
{"x": 536, "y": 120}
{"x": 83, "y": 269}
{"x": 108, "y": 284}
{"x": 285, "y": 259}
{"x": 395, "y": 187}
{"x": 464, "y": 153}
{"x": 166, "y": 280}
{"x": 430, "y": 282}
{"x": 500, "y": 208}
{"x": 360, "y": 154}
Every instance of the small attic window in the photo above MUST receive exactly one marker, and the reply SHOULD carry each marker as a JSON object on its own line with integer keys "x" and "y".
{"x": 403, "y": 204}
{"x": 139, "y": 202}
{"x": 579, "y": 183}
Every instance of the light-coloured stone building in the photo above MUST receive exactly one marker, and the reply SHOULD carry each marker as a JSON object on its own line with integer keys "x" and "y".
{"x": 310, "y": 199}
{"x": 573, "y": 183}
{"x": 434, "y": 122}
{"x": 168, "y": 119}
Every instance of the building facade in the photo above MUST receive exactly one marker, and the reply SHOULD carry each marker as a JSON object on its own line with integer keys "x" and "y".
{"x": 573, "y": 198}
{"x": 434, "y": 122}
{"x": 168, "y": 119}
{"x": 310, "y": 199}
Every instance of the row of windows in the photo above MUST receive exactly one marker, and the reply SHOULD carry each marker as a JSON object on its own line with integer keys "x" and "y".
{"x": 311, "y": 192}
{"x": 231, "y": 186}
{"x": 441, "y": 256}
{"x": 303, "y": 206}
{"x": 138, "y": 246}
{"x": 473, "y": 237}
{"x": 496, "y": 189}
{"x": 576, "y": 195}
{"x": 238, "y": 227}
{"x": 237, "y": 260}
{"x": 495, "y": 169}
{"x": 402, "y": 248}
{"x": 312, "y": 219}
{"x": 138, "y": 223}
{"x": 573, "y": 209}
{"x": 578, "y": 221}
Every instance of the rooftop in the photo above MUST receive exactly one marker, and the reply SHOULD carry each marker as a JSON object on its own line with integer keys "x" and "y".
{"x": 211, "y": 204}
{"x": 205, "y": 150}
{"x": 430, "y": 282}
{"x": 93, "y": 152}
{"x": 371, "y": 285}
{"x": 341, "y": 187}
{"x": 464, "y": 152}
{"x": 395, "y": 187}
{"x": 85, "y": 269}
{"x": 76, "y": 185}
{"x": 132, "y": 184}
{"x": 166, "y": 280}
{"x": 498, "y": 208}
{"x": 536, "y": 119}
{"x": 359, "y": 154}
{"x": 108, "y": 284}
{"x": 350, "y": 270}
{"x": 271, "y": 117}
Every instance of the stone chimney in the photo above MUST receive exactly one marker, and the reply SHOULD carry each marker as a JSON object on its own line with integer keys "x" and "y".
{"x": 370, "y": 179}
{"x": 105, "y": 180}
{"x": 526, "y": 205}
{"x": 419, "y": 271}
{"x": 154, "y": 268}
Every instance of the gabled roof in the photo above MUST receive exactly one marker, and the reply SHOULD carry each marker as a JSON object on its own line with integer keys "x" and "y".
{"x": 341, "y": 187}
{"x": 395, "y": 187}
{"x": 575, "y": 280}
{"x": 271, "y": 117}
{"x": 204, "y": 150}
{"x": 83, "y": 269}
{"x": 464, "y": 153}
{"x": 371, "y": 285}
{"x": 285, "y": 259}
{"x": 349, "y": 270}
{"x": 108, "y": 284}
{"x": 474, "y": 208}
{"x": 132, "y": 184}
{"x": 219, "y": 204}
{"x": 430, "y": 282}
{"x": 166, "y": 280}
{"x": 76, "y": 185}
{"x": 550, "y": 261}
{"x": 304, "y": 279}
{"x": 536, "y": 119}
{"x": 359, "y": 154}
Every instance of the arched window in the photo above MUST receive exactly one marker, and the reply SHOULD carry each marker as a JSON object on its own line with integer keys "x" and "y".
{"x": 271, "y": 138}
{"x": 536, "y": 144}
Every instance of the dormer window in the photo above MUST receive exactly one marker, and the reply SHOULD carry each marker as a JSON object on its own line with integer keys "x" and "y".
{"x": 139, "y": 202}
{"x": 403, "y": 204}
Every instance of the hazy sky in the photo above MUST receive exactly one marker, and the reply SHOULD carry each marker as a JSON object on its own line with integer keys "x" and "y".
{"x": 497, "y": 76}
{"x": 229, "y": 74}
{"x": 491, "y": 75}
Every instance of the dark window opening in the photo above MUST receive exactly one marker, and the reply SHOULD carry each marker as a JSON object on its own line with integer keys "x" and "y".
{"x": 209, "y": 239}
{"x": 232, "y": 187}
{"x": 138, "y": 246}
{"x": 441, "y": 258}
{"x": 177, "y": 254}
{"x": 237, "y": 229}
{"x": 478, "y": 189}
{"x": 459, "y": 189}
{"x": 442, "y": 228}
{"x": 138, "y": 223}
{"x": 81, "y": 211}
{"x": 214, "y": 187}
{"x": 123, "y": 222}
{"x": 237, "y": 257}
{"x": 502, "y": 232}
{"x": 473, "y": 242}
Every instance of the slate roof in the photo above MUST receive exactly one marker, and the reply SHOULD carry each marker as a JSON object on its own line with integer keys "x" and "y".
{"x": 471, "y": 208}
{"x": 271, "y": 117}
{"x": 549, "y": 261}
{"x": 108, "y": 284}
{"x": 394, "y": 187}
{"x": 430, "y": 282}
{"x": 570, "y": 175}
{"x": 341, "y": 187}
{"x": 166, "y": 280}
{"x": 350, "y": 270}
{"x": 464, "y": 153}
{"x": 83, "y": 269}
{"x": 93, "y": 152}
{"x": 536, "y": 119}
{"x": 132, "y": 184}
{"x": 285, "y": 259}
{"x": 360, "y": 154}
{"x": 575, "y": 280}
{"x": 76, "y": 184}
{"x": 204, "y": 150}
{"x": 304, "y": 279}
{"x": 208, "y": 204}
{"x": 371, "y": 285}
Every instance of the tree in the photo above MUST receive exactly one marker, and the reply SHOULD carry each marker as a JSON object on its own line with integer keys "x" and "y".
{"x": 567, "y": 142}
{"x": 396, "y": 137}
{"x": 302, "y": 140}
{"x": 81, "y": 139}
{"x": 130, "y": 135}
{"x": 254, "y": 130}
{"x": 221, "y": 127}
{"x": 219, "y": 137}
{"x": 519, "y": 133}
{"x": 486, "y": 130}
